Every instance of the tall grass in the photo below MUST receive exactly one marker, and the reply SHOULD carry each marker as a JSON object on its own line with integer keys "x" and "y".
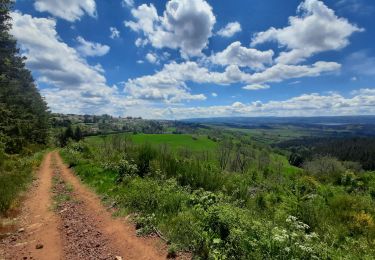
{"x": 15, "y": 174}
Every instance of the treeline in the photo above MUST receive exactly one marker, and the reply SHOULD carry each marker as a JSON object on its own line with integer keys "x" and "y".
{"x": 360, "y": 150}
{"x": 23, "y": 112}
{"x": 24, "y": 117}
{"x": 69, "y": 133}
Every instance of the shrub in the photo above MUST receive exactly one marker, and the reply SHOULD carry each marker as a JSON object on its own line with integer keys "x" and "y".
{"x": 145, "y": 154}
{"x": 325, "y": 168}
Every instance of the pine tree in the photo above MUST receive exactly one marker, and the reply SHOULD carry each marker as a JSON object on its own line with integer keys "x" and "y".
{"x": 23, "y": 112}
{"x": 69, "y": 134}
{"x": 78, "y": 134}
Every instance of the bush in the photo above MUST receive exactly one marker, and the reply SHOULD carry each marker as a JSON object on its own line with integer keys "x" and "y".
{"x": 325, "y": 168}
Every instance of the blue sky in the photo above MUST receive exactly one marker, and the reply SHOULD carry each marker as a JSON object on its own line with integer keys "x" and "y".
{"x": 196, "y": 58}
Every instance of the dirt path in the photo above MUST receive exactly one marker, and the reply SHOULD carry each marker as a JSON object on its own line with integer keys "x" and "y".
{"x": 38, "y": 225}
{"x": 79, "y": 227}
{"x": 121, "y": 235}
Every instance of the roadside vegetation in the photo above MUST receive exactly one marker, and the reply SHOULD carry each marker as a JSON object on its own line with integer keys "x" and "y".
{"x": 15, "y": 173}
{"x": 240, "y": 202}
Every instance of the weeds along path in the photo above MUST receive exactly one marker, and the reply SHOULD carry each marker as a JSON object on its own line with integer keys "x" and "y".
{"x": 89, "y": 218}
{"x": 38, "y": 236}
{"x": 63, "y": 219}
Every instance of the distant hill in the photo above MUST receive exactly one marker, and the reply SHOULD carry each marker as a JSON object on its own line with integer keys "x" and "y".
{"x": 252, "y": 121}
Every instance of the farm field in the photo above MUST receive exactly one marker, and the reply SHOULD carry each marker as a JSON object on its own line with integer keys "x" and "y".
{"x": 173, "y": 141}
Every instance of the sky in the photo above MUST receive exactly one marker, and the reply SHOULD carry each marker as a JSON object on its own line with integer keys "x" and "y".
{"x": 200, "y": 58}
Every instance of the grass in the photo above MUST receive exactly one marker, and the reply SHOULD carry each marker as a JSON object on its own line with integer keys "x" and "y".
{"x": 173, "y": 141}
{"x": 16, "y": 172}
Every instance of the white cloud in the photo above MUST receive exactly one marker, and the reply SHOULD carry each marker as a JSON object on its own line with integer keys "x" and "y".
{"x": 127, "y": 3}
{"x": 280, "y": 72}
{"x": 74, "y": 86}
{"x": 315, "y": 29}
{"x": 169, "y": 84}
{"x": 166, "y": 85}
{"x": 70, "y": 10}
{"x": 256, "y": 87}
{"x": 213, "y": 94}
{"x": 295, "y": 82}
{"x": 139, "y": 42}
{"x": 115, "y": 33}
{"x": 152, "y": 58}
{"x": 235, "y": 54}
{"x": 145, "y": 17}
{"x": 230, "y": 29}
{"x": 88, "y": 49}
{"x": 355, "y": 6}
{"x": 363, "y": 102}
{"x": 364, "y": 91}
{"x": 185, "y": 25}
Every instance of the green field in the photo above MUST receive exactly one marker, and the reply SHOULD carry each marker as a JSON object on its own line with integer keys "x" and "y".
{"x": 193, "y": 143}
{"x": 173, "y": 141}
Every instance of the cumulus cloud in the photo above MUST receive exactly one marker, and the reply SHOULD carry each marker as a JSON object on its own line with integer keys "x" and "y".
{"x": 91, "y": 49}
{"x": 185, "y": 25}
{"x": 235, "y": 54}
{"x": 256, "y": 87}
{"x": 170, "y": 84}
{"x": 314, "y": 104}
{"x": 280, "y": 72}
{"x": 230, "y": 29}
{"x": 74, "y": 85}
{"x": 152, "y": 58}
{"x": 364, "y": 91}
{"x": 167, "y": 85}
{"x": 191, "y": 71}
{"x": 115, "y": 33}
{"x": 315, "y": 29}
{"x": 139, "y": 42}
{"x": 70, "y": 10}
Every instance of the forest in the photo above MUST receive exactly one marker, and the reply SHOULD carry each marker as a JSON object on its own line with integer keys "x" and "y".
{"x": 359, "y": 149}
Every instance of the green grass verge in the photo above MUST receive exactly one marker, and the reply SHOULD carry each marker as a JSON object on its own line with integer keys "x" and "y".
{"x": 16, "y": 172}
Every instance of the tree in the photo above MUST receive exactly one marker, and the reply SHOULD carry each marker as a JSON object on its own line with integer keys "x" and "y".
{"x": 78, "y": 134}
{"x": 224, "y": 152}
{"x": 69, "y": 132}
{"x": 24, "y": 117}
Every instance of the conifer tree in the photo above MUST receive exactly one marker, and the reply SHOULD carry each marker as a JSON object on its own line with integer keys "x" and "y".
{"x": 23, "y": 112}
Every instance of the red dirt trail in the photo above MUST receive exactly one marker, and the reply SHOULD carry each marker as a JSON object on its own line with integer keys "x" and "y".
{"x": 78, "y": 228}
